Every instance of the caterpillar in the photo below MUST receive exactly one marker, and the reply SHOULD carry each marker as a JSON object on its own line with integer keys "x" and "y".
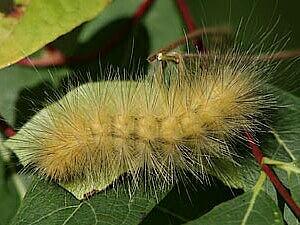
{"x": 158, "y": 128}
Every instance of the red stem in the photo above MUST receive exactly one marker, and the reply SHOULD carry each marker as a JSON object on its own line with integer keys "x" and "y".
{"x": 6, "y": 129}
{"x": 141, "y": 10}
{"x": 51, "y": 57}
{"x": 16, "y": 11}
{"x": 189, "y": 21}
{"x": 54, "y": 57}
{"x": 272, "y": 176}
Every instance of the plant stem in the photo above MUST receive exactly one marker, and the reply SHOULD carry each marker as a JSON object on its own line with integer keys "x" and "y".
{"x": 16, "y": 11}
{"x": 141, "y": 10}
{"x": 273, "y": 177}
{"x": 6, "y": 129}
{"x": 191, "y": 36}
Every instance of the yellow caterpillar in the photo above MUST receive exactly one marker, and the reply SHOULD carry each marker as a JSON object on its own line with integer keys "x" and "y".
{"x": 158, "y": 128}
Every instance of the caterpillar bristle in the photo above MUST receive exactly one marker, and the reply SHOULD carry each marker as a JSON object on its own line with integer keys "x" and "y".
{"x": 145, "y": 128}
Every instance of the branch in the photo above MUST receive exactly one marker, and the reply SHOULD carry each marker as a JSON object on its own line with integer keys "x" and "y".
{"x": 278, "y": 56}
{"x": 282, "y": 55}
{"x": 280, "y": 188}
{"x": 191, "y": 36}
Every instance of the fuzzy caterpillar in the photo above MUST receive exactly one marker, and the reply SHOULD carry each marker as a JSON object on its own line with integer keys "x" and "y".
{"x": 149, "y": 129}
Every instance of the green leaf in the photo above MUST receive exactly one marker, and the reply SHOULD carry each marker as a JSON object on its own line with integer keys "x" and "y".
{"x": 6, "y": 26}
{"x": 190, "y": 200}
{"x": 42, "y": 23}
{"x": 286, "y": 129}
{"x": 234, "y": 212}
{"x": 252, "y": 208}
{"x": 9, "y": 196}
{"x": 46, "y": 203}
{"x": 294, "y": 186}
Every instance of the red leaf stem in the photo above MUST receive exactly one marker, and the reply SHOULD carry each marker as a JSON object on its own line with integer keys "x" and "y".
{"x": 16, "y": 11}
{"x": 272, "y": 176}
{"x": 189, "y": 21}
{"x": 51, "y": 57}
{"x": 141, "y": 10}
{"x": 6, "y": 129}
